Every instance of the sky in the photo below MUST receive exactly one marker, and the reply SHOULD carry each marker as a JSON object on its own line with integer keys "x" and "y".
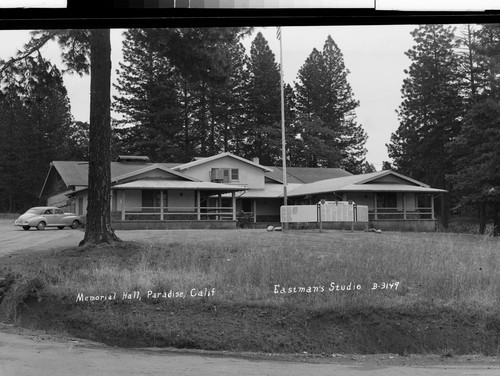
{"x": 374, "y": 55}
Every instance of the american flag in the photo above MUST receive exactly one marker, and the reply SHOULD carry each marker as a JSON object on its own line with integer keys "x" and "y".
{"x": 278, "y": 33}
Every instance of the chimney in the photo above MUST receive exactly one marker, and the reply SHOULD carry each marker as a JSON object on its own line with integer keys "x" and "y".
{"x": 255, "y": 160}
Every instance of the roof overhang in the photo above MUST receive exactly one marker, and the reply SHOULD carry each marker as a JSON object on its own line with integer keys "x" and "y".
{"x": 197, "y": 162}
{"x": 151, "y": 168}
{"x": 180, "y": 185}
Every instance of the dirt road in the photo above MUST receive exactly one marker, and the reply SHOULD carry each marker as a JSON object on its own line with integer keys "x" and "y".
{"x": 40, "y": 355}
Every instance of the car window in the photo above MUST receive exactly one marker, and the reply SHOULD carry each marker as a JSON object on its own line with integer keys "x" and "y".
{"x": 58, "y": 211}
{"x": 48, "y": 211}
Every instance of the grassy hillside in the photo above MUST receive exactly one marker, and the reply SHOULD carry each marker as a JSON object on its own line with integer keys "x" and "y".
{"x": 289, "y": 292}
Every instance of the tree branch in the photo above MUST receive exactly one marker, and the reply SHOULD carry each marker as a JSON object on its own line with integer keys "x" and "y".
{"x": 40, "y": 43}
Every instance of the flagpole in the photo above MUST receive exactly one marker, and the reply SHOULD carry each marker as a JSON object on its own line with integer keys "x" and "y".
{"x": 283, "y": 142}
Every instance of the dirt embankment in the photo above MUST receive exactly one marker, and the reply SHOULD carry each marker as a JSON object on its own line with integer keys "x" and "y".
{"x": 203, "y": 325}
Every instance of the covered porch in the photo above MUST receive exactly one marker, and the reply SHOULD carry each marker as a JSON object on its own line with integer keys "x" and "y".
{"x": 390, "y": 208}
{"x": 173, "y": 200}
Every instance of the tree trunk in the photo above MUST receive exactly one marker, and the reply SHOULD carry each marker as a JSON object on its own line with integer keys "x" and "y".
{"x": 98, "y": 227}
{"x": 496, "y": 221}
{"x": 482, "y": 217}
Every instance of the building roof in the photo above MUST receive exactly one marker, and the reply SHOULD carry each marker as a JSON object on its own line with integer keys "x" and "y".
{"x": 179, "y": 184}
{"x": 306, "y": 175}
{"x": 361, "y": 183}
{"x": 200, "y": 161}
{"x": 152, "y": 167}
{"x": 270, "y": 191}
{"x": 75, "y": 173}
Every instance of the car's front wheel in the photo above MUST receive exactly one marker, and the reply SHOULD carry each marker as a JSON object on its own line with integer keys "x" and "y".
{"x": 75, "y": 224}
{"x": 26, "y": 228}
{"x": 41, "y": 225}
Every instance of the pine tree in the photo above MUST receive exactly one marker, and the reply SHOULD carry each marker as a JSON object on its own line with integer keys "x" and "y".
{"x": 263, "y": 130}
{"x": 475, "y": 150}
{"x": 431, "y": 110}
{"x": 149, "y": 100}
{"x": 34, "y": 113}
{"x": 180, "y": 91}
{"x": 323, "y": 93}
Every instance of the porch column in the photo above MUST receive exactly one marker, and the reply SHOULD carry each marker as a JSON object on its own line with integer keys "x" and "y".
{"x": 254, "y": 201}
{"x": 198, "y": 203}
{"x": 233, "y": 197}
{"x": 162, "y": 204}
{"x": 432, "y": 206}
{"x": 375, "y": 202}
{"x": 404, "y": 207}
{"x": 123, "y": 205}
{"x": 219, "y": 205}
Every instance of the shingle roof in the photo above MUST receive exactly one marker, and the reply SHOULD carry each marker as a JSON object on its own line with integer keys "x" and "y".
{"x": 360, "y": 183}
{"x": 75, "y": 173}
{"x": 306, "y": 174}
{"x": 199, "y": 161}
{"x": 269, "y": 191}
{"x": 179, "y": 184}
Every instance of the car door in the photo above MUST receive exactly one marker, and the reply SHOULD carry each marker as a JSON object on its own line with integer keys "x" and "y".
{"x": 59, "y": 217}
{"x": 48, "y": 214}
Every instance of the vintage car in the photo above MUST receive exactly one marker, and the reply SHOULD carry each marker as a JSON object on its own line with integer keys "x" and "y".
{"x": 47, "y": 216}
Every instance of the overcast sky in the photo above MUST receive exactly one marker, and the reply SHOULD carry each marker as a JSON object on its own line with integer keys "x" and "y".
{"x": 373, "y": 54}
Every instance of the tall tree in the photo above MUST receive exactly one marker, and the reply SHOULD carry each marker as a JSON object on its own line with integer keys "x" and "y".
{"x": 149, "y": 100}
{"x": 87, "y": 51}
{"x": 475, "y": 150}
{"x": 181, "y": 91}
{"x": 35, "y": 113}
{"x": 263, "y": 133}
{"x": 323, "y": 93}
{"x": 431, "y": 111}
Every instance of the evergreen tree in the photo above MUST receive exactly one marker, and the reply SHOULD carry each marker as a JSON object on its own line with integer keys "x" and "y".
{"x": 34, "y": 113}
{"x": 323, "y": 93}
{"x": 174, "y": 112}
{"x": 431, "y": 110}
{"x": 263, "y": 133}
{"x": 475, "y": 150}
{"x": 149, "y": 101}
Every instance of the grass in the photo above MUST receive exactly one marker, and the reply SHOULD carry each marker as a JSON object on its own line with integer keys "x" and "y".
{"x": 444, "y": 280}
{"x": 432, "y": 269}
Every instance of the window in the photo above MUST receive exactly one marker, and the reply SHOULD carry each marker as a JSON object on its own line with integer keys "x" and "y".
{"x": 48, "y": 211}
{"x": 235, "y": 174}
{"x": 58, "y": 211}
{"x": 387, "y": 200}
{"x": 423, "y": 201}
{"x": 224, "y": 175}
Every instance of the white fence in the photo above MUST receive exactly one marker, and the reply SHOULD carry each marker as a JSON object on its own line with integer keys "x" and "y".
{"x": 327, "y": 211}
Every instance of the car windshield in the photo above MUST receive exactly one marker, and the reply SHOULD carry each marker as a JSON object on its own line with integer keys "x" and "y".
{"x": 34, "y": 211}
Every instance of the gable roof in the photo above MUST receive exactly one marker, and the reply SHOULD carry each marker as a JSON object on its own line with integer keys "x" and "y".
{"x": 306, "y": 175}
{"x": 200, "y": 161}
{"x": 152, "y": 167}
{"x": 361, "y": 183}
{"x": 75, "y": 173}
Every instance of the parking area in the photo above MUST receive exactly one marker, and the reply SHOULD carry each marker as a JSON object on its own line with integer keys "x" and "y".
{"x": 14, "y": 239}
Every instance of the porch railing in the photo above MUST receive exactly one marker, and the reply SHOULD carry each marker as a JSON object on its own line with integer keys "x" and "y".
{"x": 395, "y": 214}
{"x": 179, "y": 213}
